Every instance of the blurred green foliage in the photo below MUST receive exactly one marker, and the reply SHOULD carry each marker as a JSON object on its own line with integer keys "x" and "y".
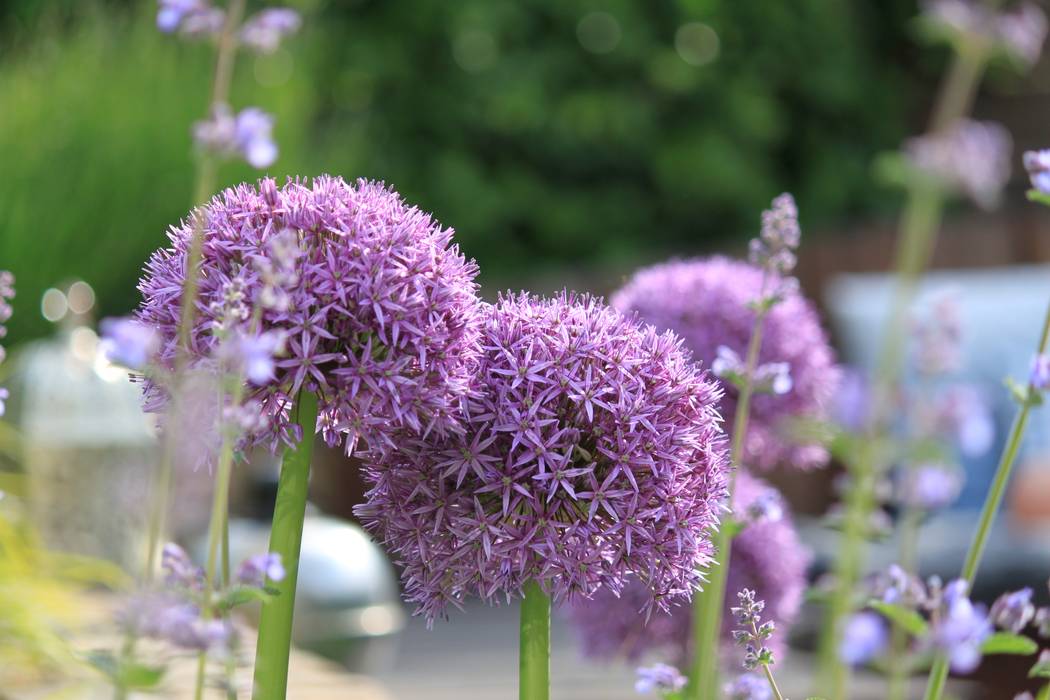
{"x": 552, "y": 135}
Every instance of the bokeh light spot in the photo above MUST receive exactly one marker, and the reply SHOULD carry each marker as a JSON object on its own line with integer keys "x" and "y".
{"x": 696, "y": 43}
{"x": 599, "y": 32}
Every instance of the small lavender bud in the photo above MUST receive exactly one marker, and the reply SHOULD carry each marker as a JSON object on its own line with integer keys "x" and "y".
{"x": 659, "y": 678}
{"x": 1013, "y": 611}
{"x": 865, "y": 636}
{"x": 1040, "y": 375}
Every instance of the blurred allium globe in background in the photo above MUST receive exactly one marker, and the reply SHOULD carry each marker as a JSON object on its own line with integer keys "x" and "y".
{"x": 592, "y": 454}
{"x": 767, "y": 557}
{"x": 708, "y": 303}
{"x": 374, "y": 306}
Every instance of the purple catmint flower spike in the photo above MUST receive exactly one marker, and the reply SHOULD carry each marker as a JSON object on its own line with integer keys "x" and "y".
{"x": 1013, "y": 611}
{"x": 1037, "y": 163}
{"x": 7, "y": 292}
{"x": 709, "y": 303}
{"x": 591, "y": 453}
{"x": 255, "y": 570}
{"x": 264, "y": 31}
{"x": 767, "y": 557}
{"x": 381, "y": 316}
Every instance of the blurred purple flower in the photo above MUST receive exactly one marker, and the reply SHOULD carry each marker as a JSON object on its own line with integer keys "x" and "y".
{"x": 774, "y": 249}
{"x": 382, "y": 320}
{"x": 248, "y": 134}
{"x": 709, "y": 303}
{"x": 128, "y": 342}
{"x": 179, "y": 569}
{"x": 189, "y": 17}
{"x": 256, "y": 570}
{"x": 969, "y": 156}
{"x": 1040, "y": 375}
{"x": 659, "y": 678}
{"x": 254, "y": 354}
{"x": 751, "y": 632}
{"x": 930, "y": 486}
{"x": 7, "y": 292}
{"x": 938, "y": 338}
{"x": 592, "y": 454}
{"x": 961, "y": 414}
{"x": 4, "y": 396}
{"x": 864, "y": 637}
{"x": 767, "y": 557}
{"x": 1013, "y": 611}
{"x": 748, "y": 686}
{"x": 1019, "y": 31}
{"x": 960, "y": 629}
{"x": 1037, "y": 163}
{"x": 264, "y": 31}
{"x": 853, "y": 400}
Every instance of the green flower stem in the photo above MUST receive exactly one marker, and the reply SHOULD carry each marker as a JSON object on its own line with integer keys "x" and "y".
{"x": 709, "y": 602}
{"x": 220, "y": 502}
{"x": 286, "y": 536}
{"x": 534, "y": 661}
{"x": 203, "y": 187}
{"x": 939, "y": 671}
{"x": 900, "y": 667}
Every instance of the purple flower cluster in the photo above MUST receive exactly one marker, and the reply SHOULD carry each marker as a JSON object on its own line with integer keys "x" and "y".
{"x": 751, "y": 632}
{"x": 865, "y": 636}
{"x": 262, "y": 32}
{"x": 248, "y": 134}
{"x": 659, "y": 678}
{"x": 710, "y": 303}
{"x": 930, "y": 486}
{"x": 1039, "y": 377}
{"x": 970, "y": 157}
{"x": 1019, "y": 31}
{"x": 7, "y": 293}
{"x": 177, "y": 613}
{"x": 748, "y": 686}
{"x": 592, "y": 455}
{"x": 379, "y": 314}
{"x": 767, "y": 557}
{"x": 774, "y": 249}
{"x": 1037, "y": 163}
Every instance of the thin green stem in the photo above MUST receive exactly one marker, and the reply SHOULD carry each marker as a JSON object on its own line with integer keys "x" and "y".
{"x": 534, "y": 651}
{"x": 286, "y": 535}
{"x": 992, "y": 503}
{"x": 772, "y": 682}
{"x": 709, "y": 602}
{"x": 907, "y": 559}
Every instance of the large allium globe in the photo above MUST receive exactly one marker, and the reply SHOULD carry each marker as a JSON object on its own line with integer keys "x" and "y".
{"x": 593, "y": 453}
{"x": 767, "y": 557}
{"x": 707, "y": 302}
{"x": 380, "y": 317}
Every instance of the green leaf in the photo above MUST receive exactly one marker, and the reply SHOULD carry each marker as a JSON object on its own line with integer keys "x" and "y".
{"x": 903, "y": 617}
{"x": 1044, "y": 694}
{"x": 1038, "y": 197}
{"x": 1006, "y": 643}
{"x": 1040, "y": 669}
{"x": 105, "y": 663}
{"x": 242, "y": 595}
{"x": 141, "y": 676}
{"x": 733, "y": 526}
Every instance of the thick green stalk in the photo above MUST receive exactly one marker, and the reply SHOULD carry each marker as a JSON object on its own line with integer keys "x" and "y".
{"x": 534, "y": 652}
{"x": 709, "y": 602}
{"x": 939, "y": 672}
{"x": 286, "y": 536}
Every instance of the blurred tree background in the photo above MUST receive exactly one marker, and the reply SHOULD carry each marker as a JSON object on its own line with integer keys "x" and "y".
{"x": 558, "y": 137}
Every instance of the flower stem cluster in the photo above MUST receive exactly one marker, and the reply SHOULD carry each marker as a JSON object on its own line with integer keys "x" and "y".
{"x": 7, "y": 293}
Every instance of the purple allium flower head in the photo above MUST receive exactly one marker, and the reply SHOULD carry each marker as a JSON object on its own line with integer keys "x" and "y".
{"x": 930, "y": 486}
{"x": 383, "y": 318}
{"x": 1037, "y": 163}
{"x": 659, "y": 678}
{"x": 708, "y": 302}
{"x": 592, "y": 453}
{"x": 1040, "y": 374}
{"x": 960, "y": 629}
{"x": 255, "y": 570}
{"x": 865, "y": 636}
{"x": 969, "y": 156}
{"x": 767, "y": 557}
{"x": 748, "y": 686}
{"x": 128, "y": 342}
{"x": 1013, "y": 611}
{"x": 264, "y": 31}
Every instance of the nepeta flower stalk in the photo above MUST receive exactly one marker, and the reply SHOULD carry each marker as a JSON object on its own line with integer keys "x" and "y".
{"x": 591, "y": 453}
{"x": 773, "y": 254}
{"x": 753, "y": 633}
{"x": 767, "y": 557}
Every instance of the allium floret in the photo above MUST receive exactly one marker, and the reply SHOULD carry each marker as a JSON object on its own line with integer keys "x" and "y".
{"x": 710, "y": 303}
{"x": 377, "y": 308}
{"x": 592, "y": 454}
